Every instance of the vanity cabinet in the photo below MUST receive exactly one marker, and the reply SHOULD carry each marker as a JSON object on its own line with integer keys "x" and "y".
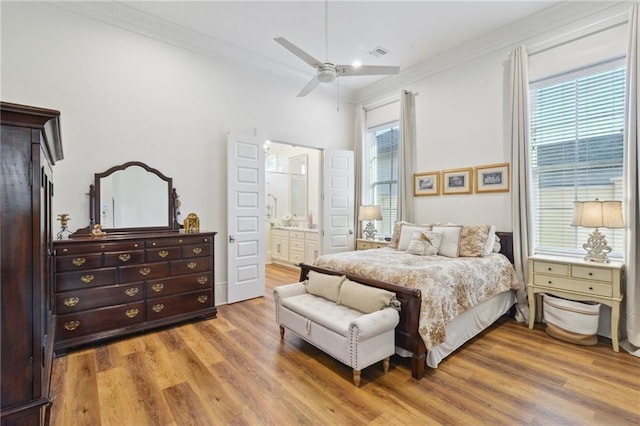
{"x": 280, "y": 245}
{"x": 116, "y": 285}
{"x": 311, "y": 246}
{"x": 294, "y": 246}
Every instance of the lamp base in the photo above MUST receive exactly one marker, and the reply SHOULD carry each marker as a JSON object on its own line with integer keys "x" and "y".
{"x": 597, "y": 248}
{"x": 370, "y": 231}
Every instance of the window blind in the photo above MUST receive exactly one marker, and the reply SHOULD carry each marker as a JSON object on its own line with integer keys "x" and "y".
{"x": 576, "y": 129}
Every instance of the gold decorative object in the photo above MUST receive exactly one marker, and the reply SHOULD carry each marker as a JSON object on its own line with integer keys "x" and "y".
{"x": 79, "y": 261}
{"x": 87, "y": 278}
{"x": 203, "y": 298}
{"x": 71, "y": 301}
{"x": 192, "y": 223}
{"x": 71, "y": 325}
{"x": 158, "y": 287}
{"x": 97, "y": 231}
{"x": 132, "y": 313}
{"x": 203, "y": 280}
{"x": 64, "y": 221}
{"x": 124, "y": 257}
{"x": 145, "y": 271}
{"x": 131, "y": 291}
{"x": 158, "y": 307}
{"x": 163, "y": 253}
{"x": 197, "y": 250}
{"x": 191, "y": 265}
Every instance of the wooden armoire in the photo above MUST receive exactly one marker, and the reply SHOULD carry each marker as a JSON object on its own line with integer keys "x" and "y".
{"x": 30, "y": 145}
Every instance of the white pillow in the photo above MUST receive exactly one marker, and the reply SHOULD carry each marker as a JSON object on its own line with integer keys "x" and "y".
{"x": 425, "y": 243}
{"x": 450, "y": 239}
{"x": 488, "y": 245}
{"x": 405, "y": 235}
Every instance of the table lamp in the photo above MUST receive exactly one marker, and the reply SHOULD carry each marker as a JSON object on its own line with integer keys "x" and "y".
{"x": 370, "y": 213}
{"x": 597, "y": 214}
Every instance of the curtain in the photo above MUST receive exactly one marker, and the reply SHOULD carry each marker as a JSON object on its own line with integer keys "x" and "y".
{"x": 406, "y": 155}
{"x": 632, "y": 189}
{"x": 520, "y": 209}
{"x": 358, "y": 149}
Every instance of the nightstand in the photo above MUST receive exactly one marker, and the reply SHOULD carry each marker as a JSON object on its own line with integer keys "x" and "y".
{"x": 576, "y": 279}
{"x": 363, "y": 244}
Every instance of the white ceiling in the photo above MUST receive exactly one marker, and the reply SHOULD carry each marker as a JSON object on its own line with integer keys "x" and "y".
{"x": 413, "y": 31}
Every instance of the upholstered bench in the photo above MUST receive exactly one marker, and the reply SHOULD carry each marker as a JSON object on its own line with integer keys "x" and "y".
{"x": 351, "y": 322}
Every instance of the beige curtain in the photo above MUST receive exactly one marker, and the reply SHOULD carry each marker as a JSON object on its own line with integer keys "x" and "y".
{"x": 520, "y": 180}
{"x": 632, "y": 189}
{"x": 358, "y": 150}
{"x": 406, "y": 155}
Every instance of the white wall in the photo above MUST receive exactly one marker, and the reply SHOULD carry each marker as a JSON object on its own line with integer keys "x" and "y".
{"x": 126, "y": 97}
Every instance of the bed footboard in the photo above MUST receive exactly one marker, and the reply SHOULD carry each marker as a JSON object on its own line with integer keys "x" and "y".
{"x": 407, "y": 336}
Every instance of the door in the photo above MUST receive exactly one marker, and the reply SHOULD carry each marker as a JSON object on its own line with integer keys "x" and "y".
{"x": 245, "y": 218}
{"x": 338, "y": 201}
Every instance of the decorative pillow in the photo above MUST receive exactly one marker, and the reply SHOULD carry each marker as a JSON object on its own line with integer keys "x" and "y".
{"x": 491, "y": 238}
{"x": 395, "y": 237}
{"x": 496, "y": 245}
{"x": 425, "y": 243}
{"x": 473, "y": 240}
{"x": 406, "y": 233}
{"x": 364, "y": 298}
{"x": 450, "y": 238}
{"x": 323, "y": 285}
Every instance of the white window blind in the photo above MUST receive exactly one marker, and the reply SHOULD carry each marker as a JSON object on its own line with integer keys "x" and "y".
{"x": 381, "y": 174}
{"x": 576, "y": 125}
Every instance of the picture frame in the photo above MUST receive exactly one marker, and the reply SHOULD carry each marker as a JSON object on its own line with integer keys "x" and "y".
{"x": 427, "y": 183}
{"x": 457, "y": 181}
{"x": 492, "y": 178}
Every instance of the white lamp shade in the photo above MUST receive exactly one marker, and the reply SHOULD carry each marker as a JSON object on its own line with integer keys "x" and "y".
{"x": 370, "y": 213}
{"x": 597, "y": 214}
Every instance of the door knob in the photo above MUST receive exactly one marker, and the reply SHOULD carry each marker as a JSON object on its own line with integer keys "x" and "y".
{"x": 232, "y": 239}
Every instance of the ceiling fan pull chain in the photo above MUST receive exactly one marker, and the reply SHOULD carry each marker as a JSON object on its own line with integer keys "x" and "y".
{"x": 338, "y": 94}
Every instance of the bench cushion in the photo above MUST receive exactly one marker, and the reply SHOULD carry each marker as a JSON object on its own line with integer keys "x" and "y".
{"x": 322, "y": 311}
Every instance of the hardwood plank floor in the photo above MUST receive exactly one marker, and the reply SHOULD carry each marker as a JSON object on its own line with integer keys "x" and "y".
{"x": 236, "y": 370}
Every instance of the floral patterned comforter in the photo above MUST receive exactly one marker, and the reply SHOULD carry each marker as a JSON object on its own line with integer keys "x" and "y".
{"x": 449, "y": 286}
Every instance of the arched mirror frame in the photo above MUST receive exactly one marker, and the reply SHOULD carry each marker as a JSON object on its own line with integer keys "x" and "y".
{"x": 172, "y": 196}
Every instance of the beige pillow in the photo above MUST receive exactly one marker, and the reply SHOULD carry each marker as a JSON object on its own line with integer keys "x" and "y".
{"x": 323, "y": 285}
{"x": 450, "y": 238}
{"x": 425, "y": 243}
{"x": 364, "y": 298}
{"x": 406, "y": 234}
{"x": 473, "y": 241}
{"x": 395, "y": 237}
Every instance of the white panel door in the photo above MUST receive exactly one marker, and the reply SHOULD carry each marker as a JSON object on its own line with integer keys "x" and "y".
{"x": 338, "y": 201}
{"x": 245, "y": 218}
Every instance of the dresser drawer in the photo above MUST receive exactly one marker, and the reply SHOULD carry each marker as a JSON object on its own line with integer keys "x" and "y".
{"x": 296, "y": 245}
{"x": 81, "y": 300}
{"x": 297, "y": 234}
{"x": 145, "y": 271}
{"x": 174, "y": 305}
{"x": 586, "y": 287}
{"x": 79, "y": 324}
{"x": 592, "y": 273}
{"x": 190, "y": 266}
{"x": 296, "y": 257}
{"x": 311, "y": 236}
{"x": 198, "y": 250}
{"x": 78, "y": 262}
{"x": 122, "y": 258}
{"x": 63, "y": 250}
{"x": 158, "y": 255}
{"x": 184, "y": 284}
{"x": 84, "y": 279}
{"x": 551, "y": 268}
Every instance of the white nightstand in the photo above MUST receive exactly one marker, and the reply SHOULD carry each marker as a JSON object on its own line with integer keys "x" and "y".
{"x": 576, "y": 279}
{"x": 363, "y": 244}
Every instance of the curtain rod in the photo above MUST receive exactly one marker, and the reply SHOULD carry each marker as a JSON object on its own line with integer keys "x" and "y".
{"x": 385, "y": 103}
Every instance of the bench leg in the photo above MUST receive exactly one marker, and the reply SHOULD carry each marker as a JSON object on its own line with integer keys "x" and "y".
{"x": 281, "y": 332}
{"x": 385, "y": 364}
{"x": 356, "y": 377}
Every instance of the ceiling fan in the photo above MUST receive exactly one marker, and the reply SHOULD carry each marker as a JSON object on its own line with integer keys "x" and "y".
{"x": 328, "y": 72}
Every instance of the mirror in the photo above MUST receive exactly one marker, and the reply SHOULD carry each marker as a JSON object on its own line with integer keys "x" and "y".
{"x": 134, "y": 197}
{"x": 298, "y": 185}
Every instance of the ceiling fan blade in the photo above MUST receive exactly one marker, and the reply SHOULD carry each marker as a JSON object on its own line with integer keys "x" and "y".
{"x": 309, "y": 87}
{"x": 298, "y": 52}
{"x": 347, "y": 70}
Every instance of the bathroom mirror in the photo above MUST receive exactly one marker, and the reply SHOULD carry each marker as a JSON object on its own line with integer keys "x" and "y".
{"x": 133, "y": 197}
{"x": 298, "y": 172}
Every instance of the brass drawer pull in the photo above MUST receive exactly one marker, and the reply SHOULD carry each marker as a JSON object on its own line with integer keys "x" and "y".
{"x": 203, "y": 298}
{"x": 206, "y": 240}
{"x": 71, "y": 301}
{"x": 191, "y": 265}
{"x": 163, "y": 253}
{"x": 124, "y": 257}
{"x": 65, "y": 250}
{"x": 157, "y": 287}
{"x": 158, "y": 307}
{"x": 197, "y": 250}
{"x": 71, "y": 325}
{"x": 87, "y": 278}
{"x": 145, "y": 271}
{"x": 132, "y": 313}
{"x": 131, "y": 291}
{"x": 203, "y": 280}
{"x": 79, "y": 261}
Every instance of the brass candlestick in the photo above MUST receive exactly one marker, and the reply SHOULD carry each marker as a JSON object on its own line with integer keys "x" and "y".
{"x": 64, "y": 220}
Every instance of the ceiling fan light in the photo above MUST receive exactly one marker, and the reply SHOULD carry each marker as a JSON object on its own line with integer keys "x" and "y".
{"x": 326, "y": 75}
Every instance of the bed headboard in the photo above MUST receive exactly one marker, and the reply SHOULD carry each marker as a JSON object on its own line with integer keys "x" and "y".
{"x": 506, "y": 244}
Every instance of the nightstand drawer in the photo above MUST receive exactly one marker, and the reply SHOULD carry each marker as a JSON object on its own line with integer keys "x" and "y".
{"x": 592, "y": 273}
{"x": 585, "y": 287}
{"x": 551, "y": 268}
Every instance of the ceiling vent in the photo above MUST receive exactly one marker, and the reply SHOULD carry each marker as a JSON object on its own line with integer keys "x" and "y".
{"x": 379, "y": 52}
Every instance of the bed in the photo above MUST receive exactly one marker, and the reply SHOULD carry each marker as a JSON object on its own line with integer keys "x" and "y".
{"x": 427, "y": 338}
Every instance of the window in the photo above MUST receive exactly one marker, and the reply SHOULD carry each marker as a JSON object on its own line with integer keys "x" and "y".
{"x": 576, "y": 125}
{"x": 381, "y": 174}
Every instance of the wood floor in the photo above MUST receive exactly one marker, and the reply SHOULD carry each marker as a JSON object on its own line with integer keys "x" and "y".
{"x": 235, "y": 370}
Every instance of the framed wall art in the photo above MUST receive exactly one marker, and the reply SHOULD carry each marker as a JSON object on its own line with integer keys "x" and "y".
{"x": 492, "y": 178}
{"x": 457, "y": 181}
{"x": 427, "y": 183}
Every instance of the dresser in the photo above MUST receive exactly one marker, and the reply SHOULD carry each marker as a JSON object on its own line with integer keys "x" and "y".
{"x": 30, "y": 145}
{"x": 120, "y": 284}
{"x": 363, "y": 244}
{"x": 576, "y": 279}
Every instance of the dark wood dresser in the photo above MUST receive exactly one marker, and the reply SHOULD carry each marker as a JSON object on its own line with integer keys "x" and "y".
{"x": 30, "y": 145}
{"x": 120, "y": 284}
